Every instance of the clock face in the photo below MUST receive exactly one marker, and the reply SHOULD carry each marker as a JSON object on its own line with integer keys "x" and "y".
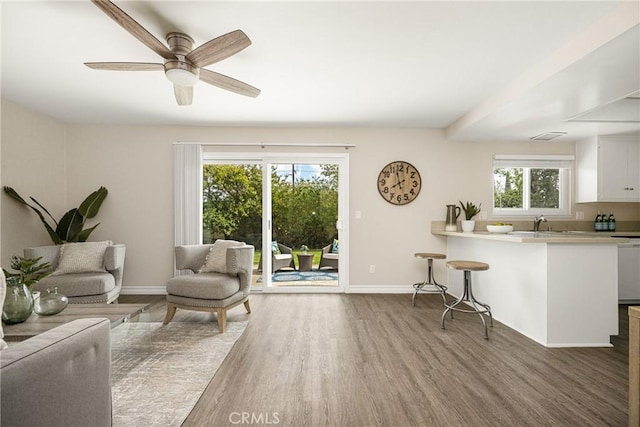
{"x": 399, "y": 183}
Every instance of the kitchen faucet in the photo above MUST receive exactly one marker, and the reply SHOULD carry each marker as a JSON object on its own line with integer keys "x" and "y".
{"x": 536, "y": 222}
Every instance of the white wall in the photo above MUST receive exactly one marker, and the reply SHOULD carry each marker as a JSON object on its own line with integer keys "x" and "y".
{"x": 135, "y": 163}
{"x": 33, "y": 156}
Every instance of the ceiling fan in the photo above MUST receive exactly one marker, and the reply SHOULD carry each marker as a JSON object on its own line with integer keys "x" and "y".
{"x": 182, "y": 63}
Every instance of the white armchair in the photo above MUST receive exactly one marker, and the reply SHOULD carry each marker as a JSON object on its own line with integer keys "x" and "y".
{"x": 91, "y": 273}
{"x": 222, "y": 280}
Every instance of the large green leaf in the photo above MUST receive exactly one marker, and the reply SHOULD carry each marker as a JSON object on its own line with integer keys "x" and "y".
{"x": 91, "y": 205}
{"x": 84, "y": 234}
{"x": 14, "y": 195}
{"x": 70, "y": 225}
{"x": 52, "y": 234}
{"x": 44, "y": 209}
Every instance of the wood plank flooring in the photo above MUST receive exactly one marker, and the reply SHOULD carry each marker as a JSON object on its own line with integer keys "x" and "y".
{"x": 373, "y": 360}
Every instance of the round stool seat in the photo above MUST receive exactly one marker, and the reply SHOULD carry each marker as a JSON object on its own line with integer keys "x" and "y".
{"x": 429, "y": 285}
{"x": 467, "y": 265}
{"x": 427, "y": 255}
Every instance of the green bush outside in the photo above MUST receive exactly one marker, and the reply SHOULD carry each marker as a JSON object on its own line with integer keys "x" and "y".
{"x": 304, "y": 210}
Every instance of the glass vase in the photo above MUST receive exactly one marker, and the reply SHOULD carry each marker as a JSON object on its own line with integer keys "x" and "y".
{"x": 51, "y": 303}
{"x": 18, "y": 303}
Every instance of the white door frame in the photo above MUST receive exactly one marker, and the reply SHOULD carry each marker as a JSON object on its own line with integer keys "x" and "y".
{"x": 342, "y": 224}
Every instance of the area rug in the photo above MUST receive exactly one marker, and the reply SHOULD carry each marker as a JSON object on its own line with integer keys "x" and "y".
{"x": 158, "y": 372}
{"x": 301, "y": 276}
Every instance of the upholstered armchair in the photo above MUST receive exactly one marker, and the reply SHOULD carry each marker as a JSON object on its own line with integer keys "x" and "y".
{"x": 87, "y": 272}
{"x": 329, "y": 256}
{"x": 281, "y": 257}
{"x": 221, "y": 279}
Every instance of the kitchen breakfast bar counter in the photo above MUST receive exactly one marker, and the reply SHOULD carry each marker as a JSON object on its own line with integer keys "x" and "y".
{"x": 559, "y": 289}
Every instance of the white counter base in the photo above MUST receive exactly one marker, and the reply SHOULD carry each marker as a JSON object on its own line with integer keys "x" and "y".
{"x": 557, "y": 294}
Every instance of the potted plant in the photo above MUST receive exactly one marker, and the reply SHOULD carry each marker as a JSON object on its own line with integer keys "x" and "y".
{"x": 470, "y": 210}
{"x": 18, "y": 303}
{"x": 304, "y": 249}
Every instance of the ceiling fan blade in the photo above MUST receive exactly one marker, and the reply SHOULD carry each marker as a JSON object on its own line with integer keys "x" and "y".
{"x": 135, "y": 29}
{"x": 228, "y": 83}
{"x": 219, "y": 48}
{"x": 184, "y": 94}
{"x": 125, "y": 66}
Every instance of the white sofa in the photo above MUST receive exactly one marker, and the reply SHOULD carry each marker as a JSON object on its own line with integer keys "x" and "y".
{"x": 61, "y": 377}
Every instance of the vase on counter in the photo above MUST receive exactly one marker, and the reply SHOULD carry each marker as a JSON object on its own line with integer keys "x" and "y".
{"x": 468, "y": 225}
{"x": 51, "y": 303}
{"x": 18, "y": 303}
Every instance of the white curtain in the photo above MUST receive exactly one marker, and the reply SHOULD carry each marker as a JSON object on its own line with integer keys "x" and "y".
{"x": 188, "y": 194}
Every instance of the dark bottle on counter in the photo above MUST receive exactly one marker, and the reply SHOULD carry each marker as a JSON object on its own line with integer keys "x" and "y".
{"x": 612, "y": 222}
{"x": 597, "y": 224}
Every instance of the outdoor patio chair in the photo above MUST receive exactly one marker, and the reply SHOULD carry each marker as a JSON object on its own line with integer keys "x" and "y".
{"x": 329, "y": 256}
{"x": 281, "y": 257}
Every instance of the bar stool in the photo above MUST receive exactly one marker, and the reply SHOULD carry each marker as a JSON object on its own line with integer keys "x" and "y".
{"x": 429, "y": 279}
{"x": 467, "y": 294}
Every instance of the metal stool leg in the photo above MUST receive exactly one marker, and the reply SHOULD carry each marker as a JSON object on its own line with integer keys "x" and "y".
{"x": 467, "y": 296}
{"x": 429, "y": 280}
{"x": 474, "y": 301}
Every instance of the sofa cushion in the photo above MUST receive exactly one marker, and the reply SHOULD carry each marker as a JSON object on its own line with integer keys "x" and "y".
{"x": 204, "y": 286}
{"x": 330, "y": 256}
{"x": 216, "y": 261}
{"x": 84, "y": 257}
{"x": 282, "y": 256}
{"x": 335, "y": 246}
{"x": 275, "y": 248}
{"x": 79, "y": 284}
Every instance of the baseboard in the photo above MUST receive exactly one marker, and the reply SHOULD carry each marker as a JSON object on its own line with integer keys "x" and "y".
{"x": 143, "y": 290}
{"x": 379, "y": 290}
{"x": 161, "y": 290}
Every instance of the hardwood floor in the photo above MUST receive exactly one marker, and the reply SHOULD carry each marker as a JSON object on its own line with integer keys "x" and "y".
{"x": 373, "y": 360}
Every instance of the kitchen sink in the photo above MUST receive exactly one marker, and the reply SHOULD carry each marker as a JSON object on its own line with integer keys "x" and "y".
{"x": 534, "y": 233}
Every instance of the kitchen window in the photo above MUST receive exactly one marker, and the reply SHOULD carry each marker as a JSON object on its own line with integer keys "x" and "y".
{"x": 531, "y": 184}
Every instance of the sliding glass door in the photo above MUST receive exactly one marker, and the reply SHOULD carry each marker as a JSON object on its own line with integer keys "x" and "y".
{"x": 291, "y": 208}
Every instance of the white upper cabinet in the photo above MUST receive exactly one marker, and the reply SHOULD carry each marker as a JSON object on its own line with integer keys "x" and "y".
{"x": 608, "y": 169}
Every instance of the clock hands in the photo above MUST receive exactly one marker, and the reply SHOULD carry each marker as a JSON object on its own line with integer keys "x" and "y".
{"x": 398, "y": 181}
{"x": 398, "y": 184}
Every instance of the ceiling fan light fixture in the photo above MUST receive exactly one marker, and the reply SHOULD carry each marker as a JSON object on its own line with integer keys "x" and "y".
{"x": 181, "y": 77}
{"x": 182, "y": 64}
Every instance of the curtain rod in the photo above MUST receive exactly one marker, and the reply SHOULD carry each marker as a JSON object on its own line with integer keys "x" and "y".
{"x": 268, "y": 144}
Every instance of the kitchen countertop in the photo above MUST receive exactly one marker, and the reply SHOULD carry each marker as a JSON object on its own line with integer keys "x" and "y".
{"x": 545, "y": 236}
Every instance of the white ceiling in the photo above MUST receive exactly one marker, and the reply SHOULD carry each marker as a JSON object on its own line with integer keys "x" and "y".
{"x": 483, "y": 70}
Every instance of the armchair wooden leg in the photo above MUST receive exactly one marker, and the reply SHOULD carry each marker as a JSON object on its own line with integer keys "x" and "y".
{"x": 171, "y": 311}
{"x": 246, "y": 305}
{"x": 222, "y": 319}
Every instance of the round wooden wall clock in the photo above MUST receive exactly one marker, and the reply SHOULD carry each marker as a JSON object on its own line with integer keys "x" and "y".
{"x": 399, "y": 183}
